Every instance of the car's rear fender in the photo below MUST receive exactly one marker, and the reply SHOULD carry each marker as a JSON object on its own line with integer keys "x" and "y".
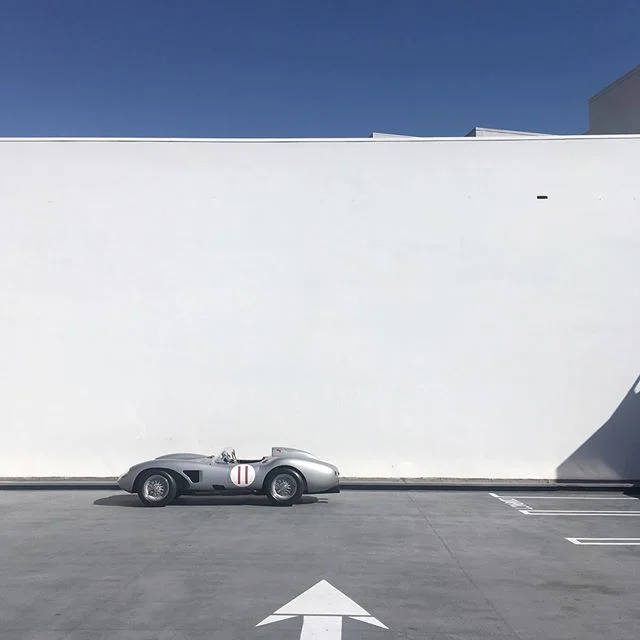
{"x": 319, "y": 476}
{"x": 285, "y": 467}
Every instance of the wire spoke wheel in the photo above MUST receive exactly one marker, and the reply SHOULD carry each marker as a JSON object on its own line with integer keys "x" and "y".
{"x": 284, "y": 487}
{"x": 157, "y": 489}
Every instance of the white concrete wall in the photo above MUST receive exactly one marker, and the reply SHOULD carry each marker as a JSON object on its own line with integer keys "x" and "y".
{"x": 616, "y": 109}
{"x": 403, "y": 308}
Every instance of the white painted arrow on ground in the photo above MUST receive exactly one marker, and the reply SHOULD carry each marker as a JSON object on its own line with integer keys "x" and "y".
{"x": 322, "y": 608}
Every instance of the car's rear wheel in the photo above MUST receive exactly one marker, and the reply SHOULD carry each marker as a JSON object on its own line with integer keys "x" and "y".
{"x": 157, "y": 489}
{"x": 284, "y": 487}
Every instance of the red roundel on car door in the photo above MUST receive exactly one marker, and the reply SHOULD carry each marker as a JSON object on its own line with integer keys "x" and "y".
{"x": 242, "y": 475}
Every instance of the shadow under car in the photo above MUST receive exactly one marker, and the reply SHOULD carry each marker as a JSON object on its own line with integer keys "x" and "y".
{"x": 131, "y": 500}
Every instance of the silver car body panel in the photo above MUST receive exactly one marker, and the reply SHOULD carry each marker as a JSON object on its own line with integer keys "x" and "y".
{"x": 200, "y": 473}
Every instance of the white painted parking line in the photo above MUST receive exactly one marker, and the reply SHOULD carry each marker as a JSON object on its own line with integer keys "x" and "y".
{"x": 571, "y": 497}
{"x": 512, "y": 502}
{"x": 606, "y": 542}
{"x": 527, "y": 510}
{"x": 577, "y": 512}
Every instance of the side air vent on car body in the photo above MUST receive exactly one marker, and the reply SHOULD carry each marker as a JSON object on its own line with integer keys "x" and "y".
{"x": 193, "y": 475}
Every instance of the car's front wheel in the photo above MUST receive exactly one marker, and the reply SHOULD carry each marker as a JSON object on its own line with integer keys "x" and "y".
{"x": 284, "y": 487}
{"x": 157, "y": 489}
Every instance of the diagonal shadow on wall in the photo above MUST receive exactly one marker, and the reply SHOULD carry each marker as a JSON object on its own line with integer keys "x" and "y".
{"x": 613, "y": 451}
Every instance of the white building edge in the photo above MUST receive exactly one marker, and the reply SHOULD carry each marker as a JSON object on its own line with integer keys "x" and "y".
{"x": 613, "y": 110}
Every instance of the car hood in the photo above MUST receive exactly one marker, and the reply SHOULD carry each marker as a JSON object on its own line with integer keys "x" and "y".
{"x": 182, "y": 456}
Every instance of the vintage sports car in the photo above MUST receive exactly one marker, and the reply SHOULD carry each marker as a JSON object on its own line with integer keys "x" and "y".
{"x": 283, "y": 477}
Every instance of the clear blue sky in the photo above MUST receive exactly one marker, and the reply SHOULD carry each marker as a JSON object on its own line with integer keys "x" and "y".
{"x": 297, "y": 68}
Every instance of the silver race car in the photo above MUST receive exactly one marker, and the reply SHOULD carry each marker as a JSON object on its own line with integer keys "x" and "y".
{"x": 283, "y": 476}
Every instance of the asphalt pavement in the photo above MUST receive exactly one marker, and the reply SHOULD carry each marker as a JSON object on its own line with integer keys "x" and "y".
{"x": 360, "y": 565}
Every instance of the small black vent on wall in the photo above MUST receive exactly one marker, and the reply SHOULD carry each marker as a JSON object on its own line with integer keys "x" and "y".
{"x": 542, "y": 197}
{"x": 194, "y": 476}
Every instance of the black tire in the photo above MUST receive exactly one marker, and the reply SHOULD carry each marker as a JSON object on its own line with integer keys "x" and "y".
{"x": 284, "y": 487}
{"x": 157, "y": 488}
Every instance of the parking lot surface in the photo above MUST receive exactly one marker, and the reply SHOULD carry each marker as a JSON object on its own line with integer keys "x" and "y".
{"x": 94, "y": 565}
